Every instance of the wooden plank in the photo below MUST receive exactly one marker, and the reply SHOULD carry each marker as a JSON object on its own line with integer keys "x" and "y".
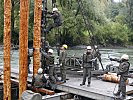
{"x": 23, "y": 45}
{"x": 42, "y": 90}
{"x": 7, "y": 47}
{"x": 37, "y": 35}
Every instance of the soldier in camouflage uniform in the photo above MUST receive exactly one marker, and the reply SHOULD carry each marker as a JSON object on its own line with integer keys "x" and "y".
{"x": 39, "y": 81}
{"x": 87, "y": 65}
{"x": 97, "y": 55}
{"x": 62, "y": 58}
{"x": 123, "y": 69}
{"x": 50, "y": 62}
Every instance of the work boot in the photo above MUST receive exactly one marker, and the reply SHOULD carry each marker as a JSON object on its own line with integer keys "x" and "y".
{"x": 82, "y": 84}
{"x": 117, "y": 93}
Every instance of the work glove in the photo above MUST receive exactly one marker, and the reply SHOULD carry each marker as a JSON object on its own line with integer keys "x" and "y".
{"x": 93, "y": 60}
{"x": 61, "y": 64}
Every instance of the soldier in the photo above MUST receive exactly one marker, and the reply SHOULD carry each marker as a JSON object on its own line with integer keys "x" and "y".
{"x": 57, "y": 17}
{"x": 50, "y": 62}
{"x": 97, "y": 55}
{"x": 62, "y": 58}
{"x": 87, "y": 65}
{"x": 39, "y": 81}
{"x": 123, "y": 69}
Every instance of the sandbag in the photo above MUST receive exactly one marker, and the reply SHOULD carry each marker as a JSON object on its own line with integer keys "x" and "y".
{"x": 29, "y": 95}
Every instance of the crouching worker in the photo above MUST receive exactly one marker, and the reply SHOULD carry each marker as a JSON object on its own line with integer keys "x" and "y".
{"x": 39, "y": 81}
{"x": 123, "y": 70}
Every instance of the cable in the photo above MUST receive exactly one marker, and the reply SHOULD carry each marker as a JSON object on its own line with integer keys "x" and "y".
{"x": 88, "y": 26}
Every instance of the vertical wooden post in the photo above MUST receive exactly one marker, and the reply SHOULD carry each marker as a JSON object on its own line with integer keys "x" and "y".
{"x": 23, "y": 45}
{"x": 37, "y": 35}
{"x": 7, "y": 47}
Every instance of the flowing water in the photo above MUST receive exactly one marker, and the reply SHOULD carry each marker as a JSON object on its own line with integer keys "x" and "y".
{"x": 106, "y": 53}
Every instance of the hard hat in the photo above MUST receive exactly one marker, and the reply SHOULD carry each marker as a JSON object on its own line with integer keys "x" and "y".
{"x": 55, "y": 9}
{"x": 65, "y": 46}
{"x": 42, "y": 38}
{"x": 50, "y": 51}
{"x": 95, "y": 46}
{"x": 125, "y": 56}
{"x": 88, "y": 47}
{"x": 40, "y": 70}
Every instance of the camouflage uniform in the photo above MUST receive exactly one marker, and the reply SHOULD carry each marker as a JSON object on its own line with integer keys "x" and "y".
{"x": 39, "y": 81}
{"x": 52, "y": 72}
{"x": 87, "y": 67}
{"x": 57, "y": 17}
{"x": 96, "y": 55}
{"x": 62, "y": 58}
{"x": 123, "y": 70}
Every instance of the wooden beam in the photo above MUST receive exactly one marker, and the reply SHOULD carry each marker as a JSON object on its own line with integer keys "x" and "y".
{"x": 42, "y": 90}
{"x": 7, "y": 48}
{"x": 37, "y": 35}
{"x": 23, "y": 45}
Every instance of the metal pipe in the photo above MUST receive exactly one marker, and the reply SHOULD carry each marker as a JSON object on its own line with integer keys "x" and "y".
{"x": 7, "y": 49}
{"x": 23, "y": 46}
{"x": 37, "y": 35}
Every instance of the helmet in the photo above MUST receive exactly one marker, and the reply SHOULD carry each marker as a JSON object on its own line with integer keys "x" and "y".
{"x": 55, "y": 9}
{"x": 42, "y": 38}
{"x": 40, "y": 70}
{"x": 88, "y": 47}
{"x": 125, "y": 56}
{"x": 50, "y": 51}
{"x": 95, "y": 46}
{"x": 65, "y": 46}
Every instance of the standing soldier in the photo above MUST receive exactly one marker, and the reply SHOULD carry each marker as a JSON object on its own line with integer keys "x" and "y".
{"x": 123, "y": 70}
{"x": 87, "y": 65}
{"x": 97, "y": 55}
{"x": 57, "y": 17}
{"x": 62, "y": 58}
{"x": 50, "y": 62}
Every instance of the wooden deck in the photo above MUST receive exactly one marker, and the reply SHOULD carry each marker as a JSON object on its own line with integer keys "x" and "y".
{"x": 98, "y": 89}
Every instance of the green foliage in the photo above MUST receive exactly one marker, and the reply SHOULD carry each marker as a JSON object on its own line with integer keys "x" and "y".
{"x": 112, "y": 34}
{"x": 111, "y": 22}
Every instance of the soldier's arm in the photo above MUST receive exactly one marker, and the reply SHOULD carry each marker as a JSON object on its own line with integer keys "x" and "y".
{"x": 44, "y": 79}
{"x": 115, "y": 59}
{"x": 44, "y": 54}
{"x": 33, "y": 81}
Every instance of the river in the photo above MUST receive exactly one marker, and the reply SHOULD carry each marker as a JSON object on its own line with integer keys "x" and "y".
{"x": 114, "y": 53}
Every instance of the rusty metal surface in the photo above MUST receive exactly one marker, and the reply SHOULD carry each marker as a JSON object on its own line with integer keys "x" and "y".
{"x": 23, "y": 45}
{"x": 7, "y": 47}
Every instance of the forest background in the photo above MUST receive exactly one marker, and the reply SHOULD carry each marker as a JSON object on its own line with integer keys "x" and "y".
{"x": 111, "y": 23}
